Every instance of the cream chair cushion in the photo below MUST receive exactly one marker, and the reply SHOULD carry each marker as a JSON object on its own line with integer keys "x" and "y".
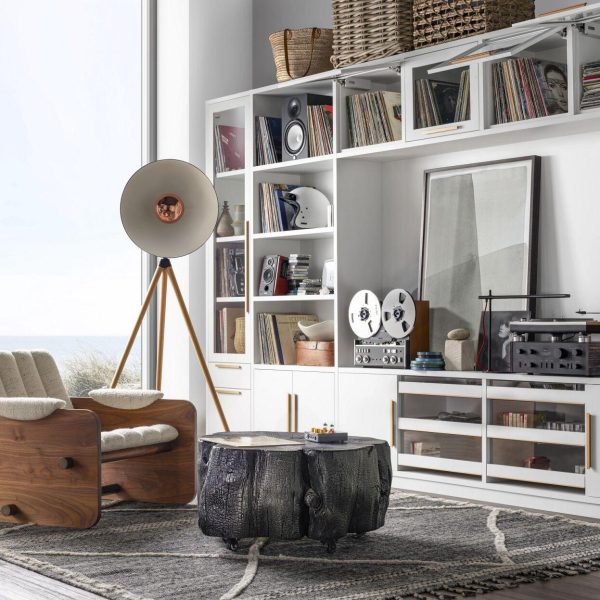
{"x": 122, "y": 439}
{"x": 126, "y": 399}
{"x": 29, "y": 409}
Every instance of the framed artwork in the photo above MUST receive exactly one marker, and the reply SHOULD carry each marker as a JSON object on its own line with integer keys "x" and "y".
{"x": 480, "y": 230}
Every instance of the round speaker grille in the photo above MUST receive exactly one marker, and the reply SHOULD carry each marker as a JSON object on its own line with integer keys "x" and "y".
{"x": 295, "y": 137}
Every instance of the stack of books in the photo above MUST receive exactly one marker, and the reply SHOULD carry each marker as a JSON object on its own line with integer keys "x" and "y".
{"x": 230, "y": 278}
{"x": 268, "y": 140}
{"x": 591, "y": 85}
{"x": 528, "y": 88}
{"x": 226, "y": 329}
{"x": 320, "y": 130}
{"x": 517, "y": 419}
{"x": 442, "y": 102}
{"x": 425, "y": 448}
{"x": 298, "y": 265}
{"x": 275, "y": 214}
{"x": 276, "y": 336}
{"x": 229, "y": 148}
{"x": 374, "y": 118}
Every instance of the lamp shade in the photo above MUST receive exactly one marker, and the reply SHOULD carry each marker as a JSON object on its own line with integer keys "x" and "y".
{"x": 169, "y": 208}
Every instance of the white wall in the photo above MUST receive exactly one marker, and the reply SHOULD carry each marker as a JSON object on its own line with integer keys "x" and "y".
{"x": 569, "y": 213}
{"x": 204, "y": 51}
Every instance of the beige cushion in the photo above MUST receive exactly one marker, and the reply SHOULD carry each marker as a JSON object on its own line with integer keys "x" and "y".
{"x": 121, "y": 439}
{"x": 124, "y": 398}
{"x": 29, "y": 409}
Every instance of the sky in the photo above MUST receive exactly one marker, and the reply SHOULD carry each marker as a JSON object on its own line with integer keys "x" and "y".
{"x": 70, "y": 137}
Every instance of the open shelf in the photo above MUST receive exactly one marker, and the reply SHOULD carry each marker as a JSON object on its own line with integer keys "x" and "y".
{"x": 531, "y": 434}
{"x": 230, "y": 239}
{"x": 296, "y": 298}
{"x": 228, "y": 299}
{"x": 318, "y": 233}
{"x": 437, "y": 426}
{"x": 237, "y": 174}
{"x": 559, "y": 478}
{"x": 312, "y": 164}
{"x": 436, "y": 463}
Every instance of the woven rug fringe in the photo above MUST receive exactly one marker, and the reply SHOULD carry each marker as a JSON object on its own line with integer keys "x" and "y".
{"x": 468, "y": 589}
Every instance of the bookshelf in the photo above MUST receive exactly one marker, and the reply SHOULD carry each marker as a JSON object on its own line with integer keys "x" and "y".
{"x": 376, "y": 194}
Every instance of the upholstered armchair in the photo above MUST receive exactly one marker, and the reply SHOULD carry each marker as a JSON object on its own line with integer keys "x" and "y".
{"x": 60, "y": 456}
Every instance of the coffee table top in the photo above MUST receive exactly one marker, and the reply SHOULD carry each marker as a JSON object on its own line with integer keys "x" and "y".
{"x": 298, "y": 441}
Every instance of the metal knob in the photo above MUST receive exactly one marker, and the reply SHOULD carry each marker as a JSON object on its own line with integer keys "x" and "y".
{"x": 8, "y": 510}
{"x": 385, "y": 360}
{"x": 393, "y": 359}
{"x": 66, "y": 462}
{"x": 366, "y": 360}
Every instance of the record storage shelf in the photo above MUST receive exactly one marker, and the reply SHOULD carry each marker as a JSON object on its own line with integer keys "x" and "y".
{"x": 348, "y": 177}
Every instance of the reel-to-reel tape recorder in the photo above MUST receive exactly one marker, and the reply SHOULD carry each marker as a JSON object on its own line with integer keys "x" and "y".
{"x": 384, "y": 328}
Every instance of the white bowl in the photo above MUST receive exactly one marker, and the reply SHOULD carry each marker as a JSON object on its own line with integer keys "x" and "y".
{"x": 317, "y": 332}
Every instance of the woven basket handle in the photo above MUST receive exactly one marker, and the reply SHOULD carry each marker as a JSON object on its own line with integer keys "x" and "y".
{"x": 316, "y": 33}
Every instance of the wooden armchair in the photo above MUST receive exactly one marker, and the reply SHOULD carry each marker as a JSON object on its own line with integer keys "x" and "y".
{"x": 53, "y": 470}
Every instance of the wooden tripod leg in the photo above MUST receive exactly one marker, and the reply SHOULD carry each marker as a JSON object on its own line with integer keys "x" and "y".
{"x": 196, "y": 343}
{"x": 157, "y": 275}
{"x": 161, "y": 330}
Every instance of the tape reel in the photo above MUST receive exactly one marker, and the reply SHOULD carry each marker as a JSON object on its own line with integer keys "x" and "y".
{"x": 398, "y": 314}
{"x": 364, "y": 314}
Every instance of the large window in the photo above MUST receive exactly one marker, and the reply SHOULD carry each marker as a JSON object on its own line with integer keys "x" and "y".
{"x": 70, "y": 137}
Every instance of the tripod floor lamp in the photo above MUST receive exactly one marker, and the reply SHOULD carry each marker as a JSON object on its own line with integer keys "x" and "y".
{"x": 169, "y": 208}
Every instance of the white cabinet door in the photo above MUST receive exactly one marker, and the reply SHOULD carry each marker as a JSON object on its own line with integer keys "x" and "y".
{"x": 367, "y": 405}
{"x": 314, "y": 399}
{"x": 272, "y": 400}
{"x": 237, "y": 409}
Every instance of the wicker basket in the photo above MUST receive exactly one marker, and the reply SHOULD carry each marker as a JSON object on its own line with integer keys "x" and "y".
{"x": 301, "y": 52}
{"x": 437, "y": 21}
{"x": 368, "y": 29}
{"x": 239, "y": 338}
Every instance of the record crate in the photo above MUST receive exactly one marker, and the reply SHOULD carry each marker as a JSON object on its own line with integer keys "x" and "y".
{"x": 438, "y": 21}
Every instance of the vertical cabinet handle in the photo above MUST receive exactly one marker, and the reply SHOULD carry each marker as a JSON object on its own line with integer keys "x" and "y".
{"x": 296, "y": 413}
{"x": 289, "y": 413}
{"x": 246, "y": 267}
{"x": 392, "y": 423}
{"x": 588, "y": 440}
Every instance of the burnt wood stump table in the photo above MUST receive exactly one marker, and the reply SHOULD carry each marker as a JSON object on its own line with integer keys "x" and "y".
{"x": 286, "y": 492}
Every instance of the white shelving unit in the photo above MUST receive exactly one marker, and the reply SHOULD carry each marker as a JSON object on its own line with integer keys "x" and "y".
{"x": 477, "y": 460}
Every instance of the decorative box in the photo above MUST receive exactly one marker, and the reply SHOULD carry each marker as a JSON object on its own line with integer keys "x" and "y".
{"x": 315, "y": 354}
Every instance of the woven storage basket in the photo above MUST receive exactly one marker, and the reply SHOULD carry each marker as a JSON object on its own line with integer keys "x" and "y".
{"x": 368, "y": 29}
{"x": 437, "y": 21}
{"x": 300, "y": 52}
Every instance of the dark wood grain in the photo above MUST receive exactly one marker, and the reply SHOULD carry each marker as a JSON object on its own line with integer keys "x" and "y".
{"x": 324, "y": 491}
{"x": 135, "y": 452}
{"x": 168, "y": 477}
{"x": 30, "y": 475}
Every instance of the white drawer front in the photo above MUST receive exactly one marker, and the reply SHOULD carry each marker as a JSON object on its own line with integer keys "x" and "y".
{"x": 236, "y": 406}
{"x": 230, "y": 375}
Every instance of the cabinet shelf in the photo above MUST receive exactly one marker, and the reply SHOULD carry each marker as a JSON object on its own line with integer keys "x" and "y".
{"x": 542, "y": 436}
{"x": 226, "y": 299}
{"x": 229, "y": 239}
{"x": 560, "y": 478}
{"x": 436, "y": 426}
{"x": 311, "y": 298}
{"x": 312, "y": 164}
{"x": 318, "y": 233}
{"x": 436, "y": 463}
{"x": 237, "y": 174}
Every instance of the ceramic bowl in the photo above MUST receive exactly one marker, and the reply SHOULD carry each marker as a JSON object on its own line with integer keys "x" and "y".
{"x": 317, "y": 332}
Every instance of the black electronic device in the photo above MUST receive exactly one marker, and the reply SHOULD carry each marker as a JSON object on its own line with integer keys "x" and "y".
{"x": 295, "y": 123}
{"x": 555, "y": 347}
{"x": 273, "y": 276}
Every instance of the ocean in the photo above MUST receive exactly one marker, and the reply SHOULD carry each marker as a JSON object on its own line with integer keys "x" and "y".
{"x": 67, "y": 347}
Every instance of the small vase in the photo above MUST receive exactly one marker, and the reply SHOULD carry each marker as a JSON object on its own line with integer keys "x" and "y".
{"x": 224, "y": 224}
{"x": 238, "y": 219}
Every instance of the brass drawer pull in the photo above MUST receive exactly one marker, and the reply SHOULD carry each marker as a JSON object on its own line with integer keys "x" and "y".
{"x": 228, "y": 392}
{"x": 289, "y": 413}
{"x": 227, "y": 366}
{"x": 392, "y": 424}
{"x": 445, "y": 129}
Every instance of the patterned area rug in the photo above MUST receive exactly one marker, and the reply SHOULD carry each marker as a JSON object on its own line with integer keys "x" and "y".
{"x": 429, "y": 548}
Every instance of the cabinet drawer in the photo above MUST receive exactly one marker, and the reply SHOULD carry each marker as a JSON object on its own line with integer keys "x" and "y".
{"x": 236, "y": 406}
{"x": 230, "y": 375}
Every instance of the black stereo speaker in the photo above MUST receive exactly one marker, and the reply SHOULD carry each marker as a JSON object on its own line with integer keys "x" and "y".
{"x": 294, "y": 124}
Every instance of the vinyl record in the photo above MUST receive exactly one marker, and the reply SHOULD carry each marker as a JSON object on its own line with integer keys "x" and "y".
{"x": 364, "y": 314}
{"x": 399, "y": 313}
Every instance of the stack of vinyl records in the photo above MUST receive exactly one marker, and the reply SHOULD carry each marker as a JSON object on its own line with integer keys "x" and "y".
{"x": 226, "y": 329}
{"x": 442, "y": 102}
{"x": 320, "y": 130}
{"x": 591, "y": 85}
{"x": 268, "y": 140}
{"x": 298, "y": 265}
{"x": 374, "y": 117}
{"x": 229, "y": 148}
{"x": 277, "y": 335}
{"x": 274, "y": 212}
{"x": 428, "y": 361}
{"x": 230, "y": 272}
{"x": 528, "y": 88}
{"x": 309, "y": 287}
